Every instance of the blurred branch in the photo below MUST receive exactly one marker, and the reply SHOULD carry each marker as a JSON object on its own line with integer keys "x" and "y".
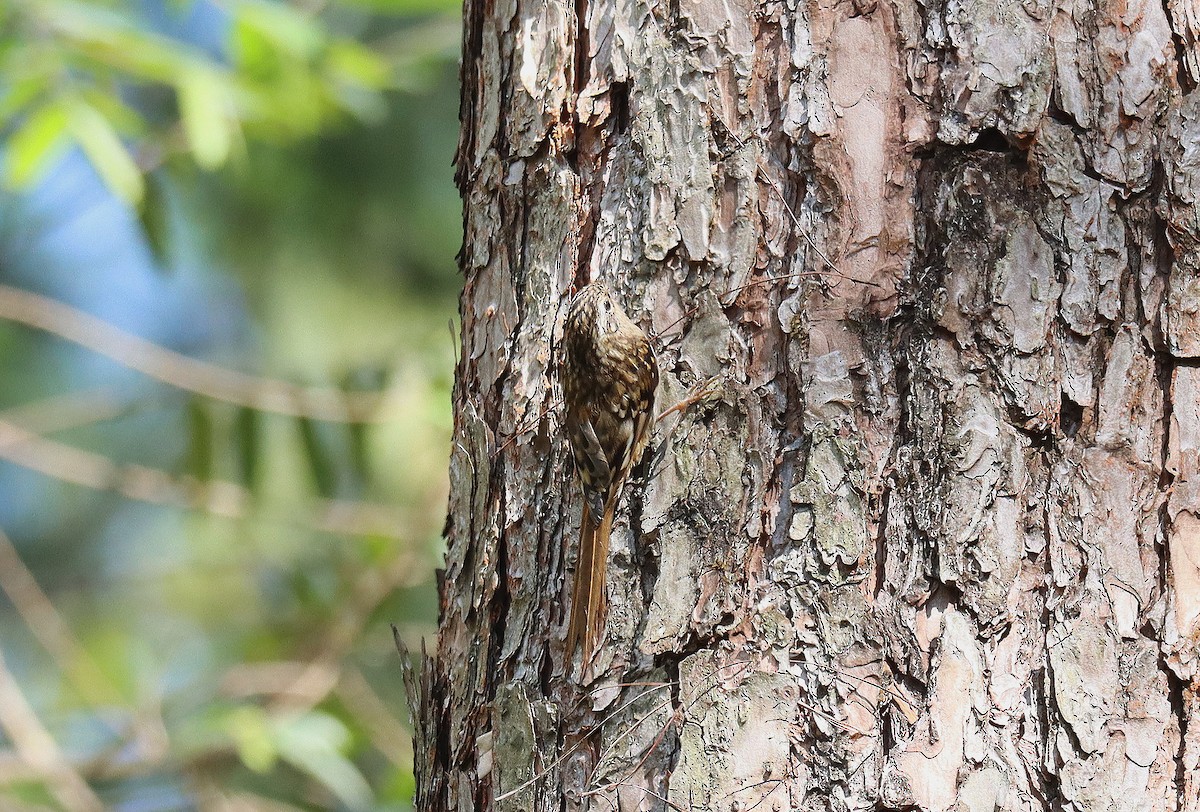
{"x": 51, "y": 630}
{"x": 37, "y": 747}
{"x": 215, "y": 797}
{"x": 216, "y": 497}
{"x": 15, "y": 770}
{"x": 251, "y": 679}
{"x": 182, "y": 372}
{"x": 48, "y": 626}
{"x": 69, "y": 411}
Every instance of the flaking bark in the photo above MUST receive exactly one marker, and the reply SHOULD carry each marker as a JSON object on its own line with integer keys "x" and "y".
{"x": 933, "y": 539}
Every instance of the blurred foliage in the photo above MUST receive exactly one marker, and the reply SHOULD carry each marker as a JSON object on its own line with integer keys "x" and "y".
{"x": 265, "y": 184}
{"x": 75, "y": 72}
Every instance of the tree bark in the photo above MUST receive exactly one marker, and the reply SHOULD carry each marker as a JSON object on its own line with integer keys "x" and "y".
{"x": 932, "y": 540}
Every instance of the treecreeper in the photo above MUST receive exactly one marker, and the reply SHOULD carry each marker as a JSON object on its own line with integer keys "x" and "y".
{"x": 609, "y": 375}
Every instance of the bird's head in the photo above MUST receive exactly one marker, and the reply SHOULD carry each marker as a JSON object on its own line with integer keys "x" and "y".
{"x": 596, "y": 311}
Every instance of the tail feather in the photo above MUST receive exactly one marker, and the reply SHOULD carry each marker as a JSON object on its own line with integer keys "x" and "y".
{"x": 589, "y": 599}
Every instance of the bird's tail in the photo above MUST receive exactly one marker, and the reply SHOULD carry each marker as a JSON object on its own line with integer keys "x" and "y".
{"x": 589, "y": 600}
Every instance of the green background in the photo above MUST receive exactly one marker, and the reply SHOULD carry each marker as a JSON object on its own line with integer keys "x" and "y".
{"x": 265, "y": 186}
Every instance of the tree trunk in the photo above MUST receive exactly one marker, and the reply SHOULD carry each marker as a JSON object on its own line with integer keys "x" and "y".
{"x": 932, "y": 540}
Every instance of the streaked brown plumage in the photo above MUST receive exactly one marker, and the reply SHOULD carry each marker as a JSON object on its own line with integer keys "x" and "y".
{"x": 608, "y": 374}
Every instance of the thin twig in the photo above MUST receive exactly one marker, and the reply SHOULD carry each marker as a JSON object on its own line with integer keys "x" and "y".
{"x": 811, "y": 244}
{"x": 745, "y": 787}
{"x": 629, "y": 731}
{"x": 49, "y": 628}
{"x": 638, "y": 684}
{"x": 846, "y": 676}
{"x": 651, "y": 793}
{"x": 72, "y": 410}
{"x": 833, "y": 720}
{"x": 766, "y": 280}
{"x": 796, "y": 220}
{"x": 183, "y": 372}
{"x": 701, "y": 391}
{"x": 528, "y": 425}
{"x": 34, "y": 744}
{"x": 759, "y": 802}
{"x": 676, "y": 718}
{"x": 545, "y": 771}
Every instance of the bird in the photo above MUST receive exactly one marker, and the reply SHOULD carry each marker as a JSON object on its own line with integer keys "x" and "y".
{"x": 609, "y": 374}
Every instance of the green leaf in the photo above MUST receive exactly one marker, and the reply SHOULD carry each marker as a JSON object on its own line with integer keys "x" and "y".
{"x": 204, "y": 107}
{"x": 400, "y": 786}
{"x": 155, "y": 218}
{"x": 358, "y": 434}
{"x": 121, "y": 117}
{"x": 104, "y": 149}
{"x": 319, "y": 459}
{"x": 113, "y": 39}
{"x": 20, "y": 92}
{"x": 290, "y": 29}
{"x": 37, "y": 143}
{"x": 355, "y": 76}
{"x": 349, "y": 61}
{"x": 31, "y": 794}
{"x": 360, "y": 454}
{"x": 314, "y": 743}
{"x": 200, "y": 440}
{"x": 250, "y": 729}
{"x": 248, "y": 435}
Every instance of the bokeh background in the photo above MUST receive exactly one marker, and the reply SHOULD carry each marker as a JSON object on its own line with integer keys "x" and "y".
{"x": 227, "y": 304}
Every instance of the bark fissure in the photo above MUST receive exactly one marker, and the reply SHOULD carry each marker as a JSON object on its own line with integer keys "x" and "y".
{"x": 1185, "y": 71}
